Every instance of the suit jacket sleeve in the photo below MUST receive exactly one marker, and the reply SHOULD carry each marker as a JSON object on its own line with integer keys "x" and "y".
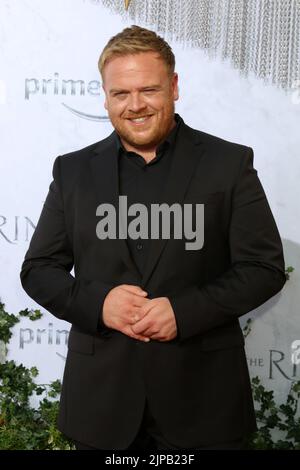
{"x": 257, "y": 265}
{"x": 45, "y": 273}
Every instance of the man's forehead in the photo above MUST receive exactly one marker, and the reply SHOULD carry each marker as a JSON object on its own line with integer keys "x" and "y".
{"x": 139, "y": 74}
{"x": 128, "y": 62}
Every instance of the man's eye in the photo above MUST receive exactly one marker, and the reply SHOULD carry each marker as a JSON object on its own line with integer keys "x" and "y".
{"x": 120, "y": 94}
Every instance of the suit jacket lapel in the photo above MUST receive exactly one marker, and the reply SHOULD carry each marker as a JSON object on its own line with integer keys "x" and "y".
{"x": 185, "y": 159}
{"x": 104, "y": 168}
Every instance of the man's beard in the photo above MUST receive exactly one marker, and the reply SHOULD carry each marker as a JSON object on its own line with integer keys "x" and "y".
{"x": 155, "y": 136}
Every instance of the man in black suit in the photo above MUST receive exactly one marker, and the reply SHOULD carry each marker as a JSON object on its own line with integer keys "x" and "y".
{"x": 156, "y": 354}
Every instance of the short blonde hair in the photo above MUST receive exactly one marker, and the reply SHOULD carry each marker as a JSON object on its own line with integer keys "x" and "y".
{"x": 135, "y": 40}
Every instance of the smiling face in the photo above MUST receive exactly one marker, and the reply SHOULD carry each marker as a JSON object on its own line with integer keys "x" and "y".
{"x": 139, "y": 98}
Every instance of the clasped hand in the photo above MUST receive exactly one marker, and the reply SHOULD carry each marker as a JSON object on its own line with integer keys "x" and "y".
{"x": 127, "y": 309}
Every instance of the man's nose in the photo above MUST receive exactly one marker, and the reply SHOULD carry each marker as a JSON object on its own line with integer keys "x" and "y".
{"x": 136, "y": 103}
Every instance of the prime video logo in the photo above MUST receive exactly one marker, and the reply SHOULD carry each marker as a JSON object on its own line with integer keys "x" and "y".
{"x": 57, "y": 86}
{"x": 160, "y": 216}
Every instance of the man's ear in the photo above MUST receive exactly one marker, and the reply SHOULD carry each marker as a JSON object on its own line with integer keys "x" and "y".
{"x": 175, "y": 86}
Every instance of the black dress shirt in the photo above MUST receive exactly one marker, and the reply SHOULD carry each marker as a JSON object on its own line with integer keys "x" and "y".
{"x": 142, "y": 183}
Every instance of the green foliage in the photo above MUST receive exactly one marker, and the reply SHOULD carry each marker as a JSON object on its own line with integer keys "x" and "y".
{"x": 31, "y": 314}
{"x": 247, "y": 328}
{"x": 271, "y": 416}
{"x": 23, "y": 427}
{"x": 288, "y": 271}
{"x": 7, "y": 321}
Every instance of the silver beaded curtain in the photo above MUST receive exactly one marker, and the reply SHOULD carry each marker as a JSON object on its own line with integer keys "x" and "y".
{"x": 259, "y": 36}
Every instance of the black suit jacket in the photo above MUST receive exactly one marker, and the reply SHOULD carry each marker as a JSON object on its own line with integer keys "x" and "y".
{"x": 197, "y": 385}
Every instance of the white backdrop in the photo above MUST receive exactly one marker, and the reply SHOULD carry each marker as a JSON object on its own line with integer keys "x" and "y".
{"x": 43, "y": 45}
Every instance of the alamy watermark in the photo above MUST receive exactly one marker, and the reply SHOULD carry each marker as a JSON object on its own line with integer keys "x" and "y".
{"x": 160, "y": 215}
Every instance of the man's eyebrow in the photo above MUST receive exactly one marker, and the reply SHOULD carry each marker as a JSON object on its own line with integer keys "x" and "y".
{"x": 148, "y": 87}
{"x": 151, "y": 86}
{"x": 117, "y": 90}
